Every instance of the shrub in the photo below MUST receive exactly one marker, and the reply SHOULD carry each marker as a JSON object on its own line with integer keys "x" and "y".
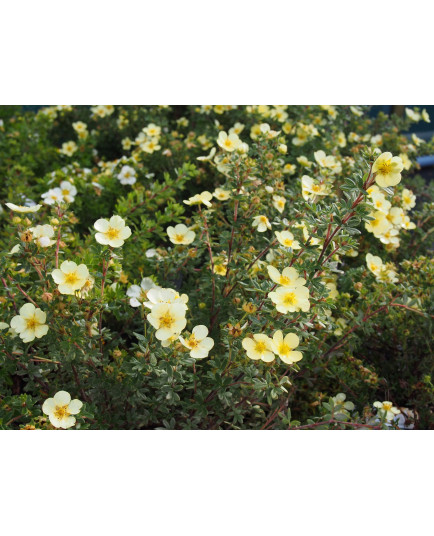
{"x": 214, "y": 267}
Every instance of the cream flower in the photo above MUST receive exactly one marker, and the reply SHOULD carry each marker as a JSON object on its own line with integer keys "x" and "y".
{"x": 68, "y": 148}
{"x": 152, "y": 130}
{"x": 221, "y": 195}
{"x": 210, "y": 156}
{"x": 386, "y": 410}
{"x": 112, "y": 232}
{"x": 30, "y": 323}
{"x": 288, "y": 278}
{"x": 180, "y": 234}
{"x": 127, "y": 175}
{"x": 395, "y": 216}
{"x": 379, "y": 225}
{"x": 42, "y": 235}
{"x": 284, "y": 347}
{"x": 279, "y": 203}
{"x": 388, "y": 170}
{"x": 228, "y": 143}
{"x": 20, "y": 208}
{"x": 408, "y": 199}
{"x": 70, "y": 277}
{"x": 159, "y": 295}
{"x": 80, "y": 128}
{"x": 380, "y": 202}
{"x": 53, "y": 196}
{"x": 262, "y": 223}
{"x": 414, "y": 116}
{"x": 198, "y": 199}
{"x": 68, "y": 190}
{"x": 236, "y": 129}
{"x": 287, "y": 239}
{"x": 407, "y": 224}
{"x": 198, "y": 342}
{"x": 310, "y": 188}
{"x": 390, "y": 237}
{"x": 138, "y": 294}
{"x": 60, "y": 409}
{"x": 291, "y": 299}
{"x": 260, "y": 347}
{"x": 168, "y": 319}
{"x": 150, "y": 146}
{"x": 375, "y": 264}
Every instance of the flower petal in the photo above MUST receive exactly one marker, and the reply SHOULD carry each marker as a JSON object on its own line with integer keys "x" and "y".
{"x": 62, "y": 398}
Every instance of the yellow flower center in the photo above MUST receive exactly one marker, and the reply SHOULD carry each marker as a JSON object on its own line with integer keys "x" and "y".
{"x": 284, "y": 349}
{"x": 61, "y": 412}
{"x": 263, "y": 219}
{"x": 260, "y": 347}
{"x": 228, "y": 143}
{"x": 385, "y": 167}
{"x": 288, "y": 242}
{"x": 407, "y": 200}
{"x": 71, "y": 278}
{"x": 112, "y": 233}
{"x": 316, "y": 188}
{"x": 192, "y": 342}
{"x": 387, "y": 405}
{"x": 167, "y": 320}
{"x": 374, "y": 267}
{"x": 284, "y": 280}
{"x": 179, "y": 238}
{"x": 31, "y": 323}
{"x": 65, "y": 192}
{"x": 290, "y": 299}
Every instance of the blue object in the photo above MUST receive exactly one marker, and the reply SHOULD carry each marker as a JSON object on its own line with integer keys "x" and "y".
{"x": 425, "y": 161}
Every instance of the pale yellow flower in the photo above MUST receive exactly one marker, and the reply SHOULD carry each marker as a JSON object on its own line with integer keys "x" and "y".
{"x": 228, "y": 143}
{"x": 221, "y": 195}
{"x": 167, "y": 318}
{"x": 284, "y": 347}
{"x": 279, "y": 203}
{"x": 180, "y": 234}
{"x": 379, "y": 225}
{"x": 380, "y": 202}
{"x": 260, "y": 347}
{"x": 60, "y": 409}
{"x": 388, "y": 170}
{"x": 386, "y": 410}
{"x": 22, "y": 209}
{"x": 291, "y": 299}
{"x": 30, "y": 323}
{"x": 42, "y": 235}
{"x": 112, "y": 232}
{"x": 288, "y": 278}
{"x": 70, "y": 277}
{"x": 152, "y": 130}
{"x": 198, "y": 342}
{"x": 198, "y": 199}
{"x": 408, "y": 199}
{"x": 262, "y": 223}
{"x": 287, "y": 239}
{"x": 68, "y": 148}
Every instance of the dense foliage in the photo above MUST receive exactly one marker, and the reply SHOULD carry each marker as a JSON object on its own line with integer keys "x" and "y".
{"x": 295, "y": 240}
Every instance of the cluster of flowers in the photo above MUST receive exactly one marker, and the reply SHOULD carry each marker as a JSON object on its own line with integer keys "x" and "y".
{"x": 66, "y": 192}
{"x": 384, "y": 273}
{"x": 168, "y": 316}
{"x": 148, "y": 140}
{"x": 388, "y": 219}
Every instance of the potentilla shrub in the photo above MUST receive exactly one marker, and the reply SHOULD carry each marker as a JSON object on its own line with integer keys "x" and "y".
{"x": 214, "y": 267}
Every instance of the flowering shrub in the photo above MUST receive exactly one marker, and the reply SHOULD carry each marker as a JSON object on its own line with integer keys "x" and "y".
{"x": 214, "y": 267}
